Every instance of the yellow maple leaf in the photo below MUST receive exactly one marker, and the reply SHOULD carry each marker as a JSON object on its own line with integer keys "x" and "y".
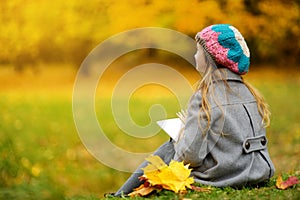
{"x": 151, "y": 171}
{"x": 155, "y": 163}
{"x": 174, "y": 177}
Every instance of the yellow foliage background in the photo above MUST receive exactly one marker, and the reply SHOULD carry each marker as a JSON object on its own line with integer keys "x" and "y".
{"x": 42, "y": 156}
{"x": 35, "y": 31}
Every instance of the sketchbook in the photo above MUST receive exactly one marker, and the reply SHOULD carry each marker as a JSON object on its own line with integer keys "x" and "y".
{"x": 172, "y": 127}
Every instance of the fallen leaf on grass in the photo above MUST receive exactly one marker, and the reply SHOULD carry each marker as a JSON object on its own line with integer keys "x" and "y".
{"x": 200, "y": 189}
{"x": 280, "y": 184}
{"x": 142, "y": 190}
{"x": 174, "y": 177}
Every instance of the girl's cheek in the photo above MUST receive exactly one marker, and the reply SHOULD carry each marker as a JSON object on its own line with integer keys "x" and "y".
{"x": 199, "y": 59}
{"x": 196, "y": 56}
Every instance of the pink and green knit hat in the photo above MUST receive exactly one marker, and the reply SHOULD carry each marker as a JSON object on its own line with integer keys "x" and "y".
{"x": 227, "y": 47}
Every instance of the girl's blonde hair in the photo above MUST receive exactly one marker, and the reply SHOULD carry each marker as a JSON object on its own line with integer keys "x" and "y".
{"x": 262, "y": 106}
{"x": 207, "y": 89}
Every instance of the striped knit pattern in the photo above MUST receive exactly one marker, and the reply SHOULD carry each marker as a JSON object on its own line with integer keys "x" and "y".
{"x": 226, "y": 46}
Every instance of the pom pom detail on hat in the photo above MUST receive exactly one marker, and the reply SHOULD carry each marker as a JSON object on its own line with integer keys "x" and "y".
{"x": 226, "y": 46}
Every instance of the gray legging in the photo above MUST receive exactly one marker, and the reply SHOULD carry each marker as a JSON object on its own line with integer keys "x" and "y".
{"x": 165, "y": 151}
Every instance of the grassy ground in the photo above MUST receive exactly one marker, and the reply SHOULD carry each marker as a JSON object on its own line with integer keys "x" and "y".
{"x": 264, "y": 192}
{"x": 42, "y": 156}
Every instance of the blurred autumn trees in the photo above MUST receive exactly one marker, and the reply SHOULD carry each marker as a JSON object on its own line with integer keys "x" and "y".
{"x": 34, "y": 31}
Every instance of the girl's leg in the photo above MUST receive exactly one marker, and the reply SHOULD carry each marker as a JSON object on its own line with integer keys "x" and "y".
{"x": 165, "y": 151}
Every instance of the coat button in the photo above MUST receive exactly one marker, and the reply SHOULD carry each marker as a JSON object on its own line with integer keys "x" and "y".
{"x": 247, "y": 145}
{"x": 263, "y": 141}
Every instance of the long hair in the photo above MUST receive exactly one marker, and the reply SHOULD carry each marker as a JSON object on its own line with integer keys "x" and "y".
{"x": 207, "y": 89}
{"x": 262, "y": 106}
{"x": 207, "y": 85}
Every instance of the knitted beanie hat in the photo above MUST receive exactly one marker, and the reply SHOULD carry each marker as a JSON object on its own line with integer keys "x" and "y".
{"x": 227, "y": 47}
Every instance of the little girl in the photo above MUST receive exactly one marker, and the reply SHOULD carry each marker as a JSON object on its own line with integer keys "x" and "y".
{"x": 224, "y": 138}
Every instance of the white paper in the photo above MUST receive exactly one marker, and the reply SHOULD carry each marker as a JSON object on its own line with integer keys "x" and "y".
{"x": 172, "y": 127}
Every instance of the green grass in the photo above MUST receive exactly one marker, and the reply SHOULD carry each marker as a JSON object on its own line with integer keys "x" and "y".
{"x": 265, "y": 192}
{"x": 42, "y": 156}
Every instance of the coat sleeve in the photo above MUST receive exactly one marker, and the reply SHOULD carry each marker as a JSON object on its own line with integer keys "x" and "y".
{"x": 192, "y": 146}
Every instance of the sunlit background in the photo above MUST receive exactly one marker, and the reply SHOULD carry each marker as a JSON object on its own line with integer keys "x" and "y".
{"x": 43, "y": 44}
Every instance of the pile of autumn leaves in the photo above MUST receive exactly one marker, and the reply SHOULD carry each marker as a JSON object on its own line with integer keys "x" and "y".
{"x": 176, "y": 177}
{"x": 158, "y": 176}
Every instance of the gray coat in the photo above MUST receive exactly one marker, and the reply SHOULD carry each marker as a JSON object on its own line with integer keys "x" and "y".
{"x": 233, "y": 152}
